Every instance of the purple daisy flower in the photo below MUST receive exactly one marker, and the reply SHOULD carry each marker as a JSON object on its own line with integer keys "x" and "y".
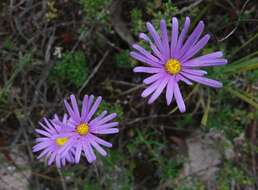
{"x": 83, "y": 128}
{"x": 54, "y": 138}
{"x": 173, "y": 60}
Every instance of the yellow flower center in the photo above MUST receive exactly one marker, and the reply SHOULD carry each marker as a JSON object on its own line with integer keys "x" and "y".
{"x": 173, "y": 66}
{"x": 82, "y": 129}
{"x": 61, "y": 141}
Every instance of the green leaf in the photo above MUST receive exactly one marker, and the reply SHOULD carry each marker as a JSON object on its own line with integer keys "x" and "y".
{"x": 206, "y": 112}
{"x": 240, "y": 66}
{"x": 71, "y": 69}
{"x": 243, "y": 96}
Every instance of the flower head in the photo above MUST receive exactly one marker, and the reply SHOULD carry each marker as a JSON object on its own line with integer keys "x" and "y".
{"x": 54, "y": 137}
{"x": 83, "y": 129}
{"x": 172, "y": 60}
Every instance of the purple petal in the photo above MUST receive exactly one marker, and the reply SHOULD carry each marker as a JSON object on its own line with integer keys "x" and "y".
{"x": 144, "y": 37}
{"x": 153, "y": 47}
{"x": 153, "y": 78}
{"x": 155, "y": 36}
{"x": 196, "y": 48}
{"x": 194, "y": 72}
{"x": 45, "y": 127}
{"x": 146, "y": 53}
{"x": 91, "y": 99}
{"x": 92, "y": 154}
{"x": 182, "y": 36}
{"x": 94, "y": 108}
{"x": 106, "y": 119}
{"x": 159, "y": 90}
{"x": 151, "y": 88}
{"x": 44, "y": 153}
{"x": 98, "y": 118}
{"x": 144, "y": 59}
{"x": 179, "y": 98}
{"x": 204, "y": 62}
{"x": 52, "y": 158}
{"x": 41, "y": 146}
{"x": 70, "y": 111}
{"x": 106, "y": 131}
{"x": 174, "y": 36}
{"x": 147, "y": 70}
{"x": 50, "y": 126}
{"x": 84, "y": 106}
{"x": 65, "y": 117}
{"x": 89, "y": 152}
{"x": 63, "y": 162}
{"x": 56, "y": 117}
{"x": 180, "y": 77}
{"x": 75, "y": 107}
{"x": 88, "y": 107}
{"x": 44, "y": 133}
{"x": 203, "y": 80}
{"x": 68, "y": 145}
{"x": 164, "y": 35}
{"x": 105, "y": 126}
{"x": 193, "y": 38}
{"x": 78, "y": 152}
{"x": 57, "y": 126}
{"x": 214, "y": 55}
{"x": 70, "y": 157}
{"x": 98, "y": 148}
{"x": 58, "y": 161}
{"x": 41, "y": 139}
{"x": 169, "y": 90}
{"x": 101, "y": 141}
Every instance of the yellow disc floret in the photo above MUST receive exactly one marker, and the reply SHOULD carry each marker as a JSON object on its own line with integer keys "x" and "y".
{"x": 173, "y": 66}
{"x": 61, "y": 141}
{"x": 82, "y": 129}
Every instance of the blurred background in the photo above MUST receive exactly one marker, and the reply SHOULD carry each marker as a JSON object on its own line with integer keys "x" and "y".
{"x": 52, "y": 48}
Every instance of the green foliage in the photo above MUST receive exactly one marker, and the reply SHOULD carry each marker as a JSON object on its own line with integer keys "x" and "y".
{"x": 195, "y": 185}
{"x": 120, "y": 177}
{"x": 230, "y": 173}
{"x": 146, "y": 142}
{"x": 245, "y": 64}
{"x": 231, "y": 120}
{"x": 8, "y": 44}
{"x": 156, "y": 11}
{"x": 145, "y": 138}
{"x": 123, "y": 60}
{"x": 170, "y": 169}
{"x": 95, "y": 10}
{"x": 161, "y": 11}
{"x": 138, "y": 24}
{"x": 231, "y": 117}
{"x": 111, "y": 108}
{"x": 185, "y": 121}
{"x": 91, "y": 185}
{"x": 24, "y": 60}
{"x": 71, "y": 69}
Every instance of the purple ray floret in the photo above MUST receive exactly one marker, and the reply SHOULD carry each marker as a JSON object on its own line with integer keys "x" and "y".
{"x": 173, "y": 59}
{"x": 83, "y": 129}
{"x": 52, "y": 138}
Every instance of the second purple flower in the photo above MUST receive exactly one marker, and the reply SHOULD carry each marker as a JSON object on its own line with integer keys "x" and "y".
{"x": 172, "y": 60}
{"x": 83, "y": 130}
